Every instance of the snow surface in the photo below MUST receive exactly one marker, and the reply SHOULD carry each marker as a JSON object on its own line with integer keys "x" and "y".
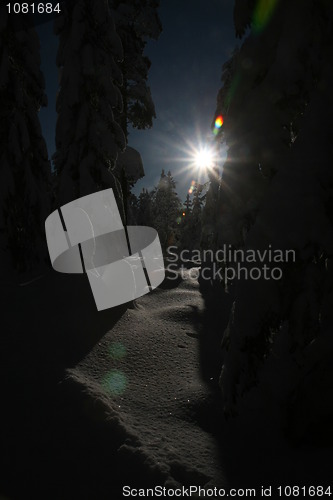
{"x": 147, "y": 371}
{"x": 70, "y": 428}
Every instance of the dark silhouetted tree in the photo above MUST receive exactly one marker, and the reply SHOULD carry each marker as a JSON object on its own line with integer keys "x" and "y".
{"x": 144, "y": 213}
{"x": 276, "y": 190}
{"x": 24, "y": 166}
{"x": 136, "y": 22}
{"x": 188, "y": 205}
{"x": 166, "y": 210}
{"x": 191, "y": 227}
{"x": 88, "y": 138}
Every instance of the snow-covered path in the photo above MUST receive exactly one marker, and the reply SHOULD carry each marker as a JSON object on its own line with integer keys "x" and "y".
{"x": 96, "y": 401}
{"x": 147, "y": 372}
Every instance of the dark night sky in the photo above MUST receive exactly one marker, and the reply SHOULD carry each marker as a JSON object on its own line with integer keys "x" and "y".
{"x": 185, "y": 77}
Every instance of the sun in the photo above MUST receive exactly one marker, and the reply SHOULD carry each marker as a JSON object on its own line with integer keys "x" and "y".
{"x": 204, "y": 158}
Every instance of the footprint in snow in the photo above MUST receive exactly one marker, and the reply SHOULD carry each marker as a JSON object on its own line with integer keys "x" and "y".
{"x": 193, "y": 335}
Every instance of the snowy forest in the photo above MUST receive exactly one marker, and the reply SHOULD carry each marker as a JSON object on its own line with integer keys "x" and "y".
{"x": 214, "y": 380}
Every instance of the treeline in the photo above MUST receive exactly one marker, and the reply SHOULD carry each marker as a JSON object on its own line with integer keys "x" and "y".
{"x": 177, "y": 223}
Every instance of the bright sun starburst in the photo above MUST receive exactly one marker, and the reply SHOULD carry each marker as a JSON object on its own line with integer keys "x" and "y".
{"x": 197, "y": 159}
{"x": 204, "y": 158}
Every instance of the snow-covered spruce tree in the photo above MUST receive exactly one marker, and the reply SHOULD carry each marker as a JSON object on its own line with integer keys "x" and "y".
{"x": 128, "y": 170}
{"x": 184, "y": 226}
{"x": 277, "y": 189}
{"x": 144, "y": 212}
{"x": 187, "y": 205}
{"x": 88, "y": 138}
{"x": 190, "y": 237}
{"x": 211, "y": 211}
{"x": 136, "y": 21}
{"x": 198, "y": 200}
{"x": 133, "y": 207}
{"x": 24, "y": 166}
{"x": 166, "y": 210}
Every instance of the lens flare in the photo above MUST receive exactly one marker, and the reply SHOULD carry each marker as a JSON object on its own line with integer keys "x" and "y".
{"x": 117, "y": 350}
{"x": 262, "y": 14}
{"x": 218, "y": 124}
{"x": 219, "y": 121}
{"x": 192, "y": 186}
{"x": 115, "y": 382}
